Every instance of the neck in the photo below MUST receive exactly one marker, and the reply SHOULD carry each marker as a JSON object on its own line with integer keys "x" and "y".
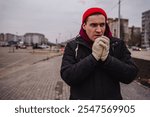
{"x": 85, "y": 37}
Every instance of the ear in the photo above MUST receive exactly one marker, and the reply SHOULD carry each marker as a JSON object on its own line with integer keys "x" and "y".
{"x": 84, "y": 26}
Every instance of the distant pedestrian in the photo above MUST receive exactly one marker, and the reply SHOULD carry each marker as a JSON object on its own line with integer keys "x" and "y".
{"x": 95, "y": 63}
{"x": 17, "y": 46}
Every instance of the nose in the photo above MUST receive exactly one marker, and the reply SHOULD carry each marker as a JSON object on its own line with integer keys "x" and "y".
{"x": 98, "y": 29}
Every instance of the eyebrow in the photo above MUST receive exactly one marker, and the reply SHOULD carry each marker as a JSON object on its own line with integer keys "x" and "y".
{"x": 96, "y": 24}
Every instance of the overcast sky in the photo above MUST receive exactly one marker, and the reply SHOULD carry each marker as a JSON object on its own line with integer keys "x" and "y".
{"x": 61, "y": 18}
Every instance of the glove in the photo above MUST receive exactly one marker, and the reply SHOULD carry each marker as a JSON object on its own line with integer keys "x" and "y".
{"x": 97, "y": 49}
{"x": 105, "y": 43}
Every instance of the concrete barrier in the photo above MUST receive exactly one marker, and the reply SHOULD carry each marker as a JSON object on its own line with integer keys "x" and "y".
{"x": 144, "y": 71}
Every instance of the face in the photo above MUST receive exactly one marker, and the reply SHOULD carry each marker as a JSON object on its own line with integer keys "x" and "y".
{"x": 95, "y": 26}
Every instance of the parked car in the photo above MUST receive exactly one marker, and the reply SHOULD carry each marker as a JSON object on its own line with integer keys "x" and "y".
{"x": 134, "y": 48}
{"x": 23, "y": 47}
{"x": 36, "y": 46}
{"x": 43, "y": 46}
{"x": 5, "y": 44}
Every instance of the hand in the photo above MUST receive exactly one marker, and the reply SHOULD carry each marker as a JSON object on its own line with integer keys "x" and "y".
{"x": 97, "y": 50}
{"x": 105, "y": 43}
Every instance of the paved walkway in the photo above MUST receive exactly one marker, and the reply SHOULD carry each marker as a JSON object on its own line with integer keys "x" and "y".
{"x": 41, "y": 80}
{"x": 135, "y": 91}
{"x": 141, "y": 54}
{"x": 36, "y": 81}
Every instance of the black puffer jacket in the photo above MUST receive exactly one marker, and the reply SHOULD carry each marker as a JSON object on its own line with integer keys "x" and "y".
{"x": 91, "y": 79}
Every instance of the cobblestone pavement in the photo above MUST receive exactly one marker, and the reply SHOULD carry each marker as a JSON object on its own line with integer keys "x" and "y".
{"x": 31, "y": 79}
{"x": 37, "y": 81}
{"x": 135, "y": 91}
{"x": 30, "y": 76}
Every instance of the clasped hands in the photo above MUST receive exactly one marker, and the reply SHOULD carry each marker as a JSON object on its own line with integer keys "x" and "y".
{"x": 100, "y": 48}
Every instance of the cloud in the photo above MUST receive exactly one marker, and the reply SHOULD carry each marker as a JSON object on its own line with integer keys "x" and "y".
{"x": 52, "y": 17}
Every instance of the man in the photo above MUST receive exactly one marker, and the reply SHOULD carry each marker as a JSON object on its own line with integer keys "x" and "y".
{"x": 94, "y": 63}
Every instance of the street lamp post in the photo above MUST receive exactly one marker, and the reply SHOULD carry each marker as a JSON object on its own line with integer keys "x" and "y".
{"x": 119, "y": 18}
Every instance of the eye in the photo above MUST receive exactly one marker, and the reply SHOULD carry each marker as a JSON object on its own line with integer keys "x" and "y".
{"x": 102, "y": 24}
{"x": 93, "y": 25}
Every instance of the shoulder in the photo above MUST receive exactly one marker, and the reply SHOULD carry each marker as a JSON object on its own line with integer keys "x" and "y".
{"x": 73, "y": 42}
{"x": 119, "y": 45}
{"x": 116, "y": 40}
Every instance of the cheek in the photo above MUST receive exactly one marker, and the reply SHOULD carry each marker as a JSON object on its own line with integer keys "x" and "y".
{"x": 104, "y": 30}
{"x": 89, "y": 33}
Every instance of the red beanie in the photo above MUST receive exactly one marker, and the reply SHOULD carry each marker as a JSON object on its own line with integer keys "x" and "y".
{"x": 91, "y": 11}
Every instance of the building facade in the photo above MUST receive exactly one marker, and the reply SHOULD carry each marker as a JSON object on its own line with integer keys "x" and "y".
{"x": 2, "y": 36}
{"x": 10, "y": 37}
{"x": 134, "y": 36}
{"x": 146, "y": 29}
{"x": 34, "y": 38}
{"x": 27, "y": 39}
{"x": 124, "y": 32}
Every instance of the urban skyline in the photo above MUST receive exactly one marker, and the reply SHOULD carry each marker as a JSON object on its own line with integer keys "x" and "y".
{"x": 61, "y": 21}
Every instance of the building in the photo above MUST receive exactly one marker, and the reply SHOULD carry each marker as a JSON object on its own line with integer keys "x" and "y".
{"x": 9, "y": 37}
{"x": 146, "y": 29}
{"x": 113, "y": 24}
{"x": 2, "y": 36}
{"x": 134, "y": 36}
{"x": 34, "y": 38}
{"x": 27, "y": 39}
{"x": 113, "y": 27}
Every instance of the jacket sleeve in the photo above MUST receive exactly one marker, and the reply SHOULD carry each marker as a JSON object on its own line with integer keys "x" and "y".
{"x": 73, "y": 72}
{"x": 122, "y": 69}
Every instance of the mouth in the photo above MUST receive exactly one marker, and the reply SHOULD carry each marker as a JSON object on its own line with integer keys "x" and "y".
{"x": 96, "y": 36}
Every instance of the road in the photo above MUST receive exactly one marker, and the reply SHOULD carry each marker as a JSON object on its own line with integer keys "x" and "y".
{"x": 28, "y": 76}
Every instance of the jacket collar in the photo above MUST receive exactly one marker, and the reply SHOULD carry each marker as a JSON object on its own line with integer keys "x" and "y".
{"x": 81, "y": 41}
